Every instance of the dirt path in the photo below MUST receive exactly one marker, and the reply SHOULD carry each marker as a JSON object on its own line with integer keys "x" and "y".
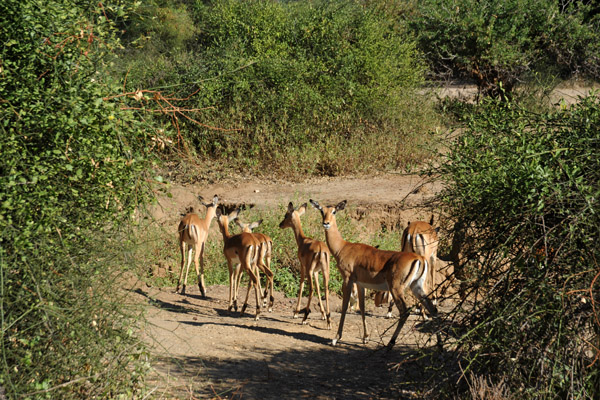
{"x": 205, "y": 352}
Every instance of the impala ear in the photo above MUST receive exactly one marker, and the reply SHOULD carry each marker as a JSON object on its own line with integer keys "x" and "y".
{"x": 240, "y": 223}
{"x": 301, "y": 210}
{"x": 290, "y": 207}
{"x": 215, "y": 200}
{"x": 234, "y": 214}
{"x": 315, "y": 204}
{"x": 341, "y": 205}
{"x": 256, "y": 224}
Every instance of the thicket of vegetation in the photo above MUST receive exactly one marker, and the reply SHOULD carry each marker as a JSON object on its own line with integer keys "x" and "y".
{"x": 291, "y": 88}
{"x": 524, "y": 189}
{"x": 300, "y": 88}
{"x": 500, "y": 44}
{"x": 70, "y": 168}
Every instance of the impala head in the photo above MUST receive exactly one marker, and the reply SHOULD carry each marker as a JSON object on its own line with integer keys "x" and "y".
{"x": 211, "y": 206}
{"x": 248, "y": 227}
{"x": 291, "y": 214}
{"x": 328, "y": 212}
{"x": 225, "y": 219}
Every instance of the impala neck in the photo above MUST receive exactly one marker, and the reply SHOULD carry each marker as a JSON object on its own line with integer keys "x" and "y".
{"x": 335, "y": 242}
{"x": 210, "y": 214}
{"x": 297, "y": 228}
{"x": 224, "y": 227}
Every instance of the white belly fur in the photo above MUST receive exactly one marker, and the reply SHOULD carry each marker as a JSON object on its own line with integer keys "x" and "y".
{"x": 383, "y": 287}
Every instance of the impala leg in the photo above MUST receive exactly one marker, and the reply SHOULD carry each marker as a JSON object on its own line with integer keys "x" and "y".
{"x": 182, "y": 250}
{"x": 200, "y": 272}
{"x": 316, "y": 275}
{"x": 346, "y": 289}
{"x": 399, "y": 300}
{"x": 326, "y": 284}
{"x": 310, "y": 294}
{"x": 302, "y": 277}
{"x": 257, "y": 273}
{"x": 390, "y": 306}
{"x": 245, "y": 305}
{"x": 187, "y": 268}
{"x": 269, "y": 288}
{"x": 261, "y": 267}
{"x": 236, "y": 284}
{"x": 260, "y": 263}
{"x": 202, "y": 285}
{"x": 418, "y": 287}
{"x": 361, "y": 304}
{"x": 432, "y": 272}
{"x": 238, "y": 280}
{"x": 232, "y": 278}
{"x": 271, "y": 279}
{"x": 254, "y": 282}
{"x": 420, "y": 293}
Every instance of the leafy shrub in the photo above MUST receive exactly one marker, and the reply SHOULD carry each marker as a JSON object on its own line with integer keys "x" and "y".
{"x": 320, "y": 88}
{"x": 499, "y": 44}
{"x": 525, "y": 187}
{"x": 70, "y": 173}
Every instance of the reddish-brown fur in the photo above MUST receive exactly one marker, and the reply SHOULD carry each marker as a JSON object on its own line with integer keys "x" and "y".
{"x": 373, "y": 268}
{"x": 192, "y": 232}
{"x": 241, "y": 252}
{"x": 314, "y": 256}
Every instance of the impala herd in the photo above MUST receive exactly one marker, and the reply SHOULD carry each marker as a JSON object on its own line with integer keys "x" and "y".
{"x": 361, "y": 266}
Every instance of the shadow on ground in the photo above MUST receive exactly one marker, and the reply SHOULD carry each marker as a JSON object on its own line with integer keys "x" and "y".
{"x": 345, "y": 372}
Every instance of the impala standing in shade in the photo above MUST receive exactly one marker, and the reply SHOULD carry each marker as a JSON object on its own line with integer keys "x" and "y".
{"x": 375, "y": 269}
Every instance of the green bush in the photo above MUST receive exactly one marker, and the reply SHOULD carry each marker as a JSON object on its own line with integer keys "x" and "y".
{"x": 70, "y": 173}
{"x": 319, "y": 88}
{"x": 525, "y": 187}
{"x": 502, "y": 43}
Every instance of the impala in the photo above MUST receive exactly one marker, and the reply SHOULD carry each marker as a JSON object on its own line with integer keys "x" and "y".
{"x": 421, "y": 238}
{"x": 375, "y": 269}
{"x": 192, "y": 233}
{"x": 264, "y": 253}
{"x": 314, "y": 258}
{"x": 241, "y": 252}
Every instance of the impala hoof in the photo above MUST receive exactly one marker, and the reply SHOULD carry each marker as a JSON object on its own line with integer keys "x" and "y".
{"x": 334, "y": 342}
{"x": 295, "y": 315}
{"x": 270, "y": 309}
{"x": 388, "y": 315}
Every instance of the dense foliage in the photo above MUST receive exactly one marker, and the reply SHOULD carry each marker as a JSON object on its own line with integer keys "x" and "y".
{"x": 502, "y": 43}
{"x": 69, "y": 172}
{"x": 301, "y": 87}
{"x": 524, "y": 189}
